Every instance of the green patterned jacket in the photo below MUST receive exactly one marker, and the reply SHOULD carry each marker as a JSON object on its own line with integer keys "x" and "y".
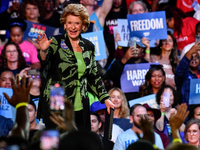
{"x": 62, "y": 65}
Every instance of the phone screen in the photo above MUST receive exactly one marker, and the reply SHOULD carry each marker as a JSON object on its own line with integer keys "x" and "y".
{"x": 57, "y": 97}
{"x": 166, "y": 99}
{"x": 197, "y": 38}
{"x": 49, "y": 139}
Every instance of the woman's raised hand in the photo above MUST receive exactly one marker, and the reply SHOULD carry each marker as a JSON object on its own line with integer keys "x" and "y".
{"x": 43, "y": 41}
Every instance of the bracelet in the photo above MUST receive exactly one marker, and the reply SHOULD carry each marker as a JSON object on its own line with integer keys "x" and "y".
{"x": 162, "y": 113}
{"x": 177, "y": 140}
{"x": 21, "y": 104}
{"x": 154, "y": 146}
{"x": 147, "y": 51}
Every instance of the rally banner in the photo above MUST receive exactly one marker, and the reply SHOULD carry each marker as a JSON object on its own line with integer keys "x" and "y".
{"x": 194, "y": 91}
{"x": 123, "y": 30}
{"x": 150, "y": 100}
{"x": 150, "y": 25}
{"x": 98, "y": 40}
{"x": 133, "y": 76}
{"x": 33, "y": 29}
{"x": 6, "y": 109}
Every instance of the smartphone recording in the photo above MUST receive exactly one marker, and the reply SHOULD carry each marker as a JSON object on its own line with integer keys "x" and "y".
{"x": 57, "y": 97}
{"x": 49, "y": 139}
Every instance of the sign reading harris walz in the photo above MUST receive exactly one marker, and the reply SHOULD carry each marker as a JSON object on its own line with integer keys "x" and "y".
{"x": 98, "y": 40}
{"x": 150, "y": 25}
{"x": 194, "y": 91}
{"x": 133, "y": 76}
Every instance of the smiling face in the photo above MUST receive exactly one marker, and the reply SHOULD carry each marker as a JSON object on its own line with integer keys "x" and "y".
{"x": 11, "y": 53}
{"x": 193, "y": 134}
{"x": 5, "y": 79}
{"x": 73, "y": 27}
{"x": 31, "y": 12}
{"x": 167, "y": 45}
{"x": 116, "y": 98}
{"x": 157, "y": 79}
{"x": 137, "y": 9}
{"x": 194, "y": 63}
{"x": 16, "y": 34}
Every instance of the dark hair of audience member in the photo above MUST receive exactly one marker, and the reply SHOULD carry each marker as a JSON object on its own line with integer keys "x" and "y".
{"x": 192, "y": 109}
{"x": 76, "y": 140}
{"x": 33, "y": 104}
{"x": 177, "y": 14}
{"x": 19, "y": 141}
{"x": 133, "y": 108}
{"x": 97, "y": 115}
{"x": 39, "y": 4}
{"x": 21, "y": 60}
{"x": 173, "y": 57}
{"x": 188, "y": 124}
{"x": 181, "y": 146}
{"x": 146, "y": 88}
{"x": 160, "y": 92}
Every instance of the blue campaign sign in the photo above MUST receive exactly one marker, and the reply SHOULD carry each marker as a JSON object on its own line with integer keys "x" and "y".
{"x": 6, "y": 109}
{"x": 98, "y": 40}
{"x": 150, "y": 25}
{"x": 33, "y": 29}
{"x": 123, "y": 30}
{"x": 150, "y": 100}
{"x": 194, "y": 91}
{"x": 133, "y": 76}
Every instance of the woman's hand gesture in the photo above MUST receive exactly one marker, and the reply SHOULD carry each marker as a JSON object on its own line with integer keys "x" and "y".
{"x": 43, "y": 41}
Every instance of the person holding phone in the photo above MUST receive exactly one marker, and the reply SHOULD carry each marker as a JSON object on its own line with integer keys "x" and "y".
{"x": 71, "y": 59}
{"x": 166, "y": 98}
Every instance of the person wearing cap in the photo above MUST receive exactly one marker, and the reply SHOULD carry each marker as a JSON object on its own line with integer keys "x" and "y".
{"x": 132, "y": 56}
{"x": 16, "y": 27}
{"x": 153, "y": 115}
{"x": 100, "y": 109}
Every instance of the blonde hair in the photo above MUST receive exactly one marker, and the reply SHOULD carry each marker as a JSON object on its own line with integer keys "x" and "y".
{"x": 76, "y": 10}
{"x": 124, "y": 107}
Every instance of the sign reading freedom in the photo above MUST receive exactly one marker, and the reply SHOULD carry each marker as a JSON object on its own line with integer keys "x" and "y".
{"x": 150, "y": 25}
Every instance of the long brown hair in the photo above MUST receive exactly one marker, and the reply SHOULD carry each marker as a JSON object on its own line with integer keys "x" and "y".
{"x": 21, "y": 60}
{"x": 146, "y": 88}
{"x": 173, "y": 57}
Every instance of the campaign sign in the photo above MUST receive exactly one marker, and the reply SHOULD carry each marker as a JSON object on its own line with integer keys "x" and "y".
{"x": 150, "y": 25}
{"x": 194, "y": 91}
{"x": 98, "y": 40}
{"x": 6, "y": 109}
{"x": 133, "y": 76}
{"x": 33, "y": 29}
{"x": 123, "y": 30}
{"x": 150, "y": 100}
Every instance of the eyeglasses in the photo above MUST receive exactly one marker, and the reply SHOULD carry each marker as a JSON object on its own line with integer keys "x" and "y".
{"x": 35, "y": 77}
{"x": 9, "y": 51}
